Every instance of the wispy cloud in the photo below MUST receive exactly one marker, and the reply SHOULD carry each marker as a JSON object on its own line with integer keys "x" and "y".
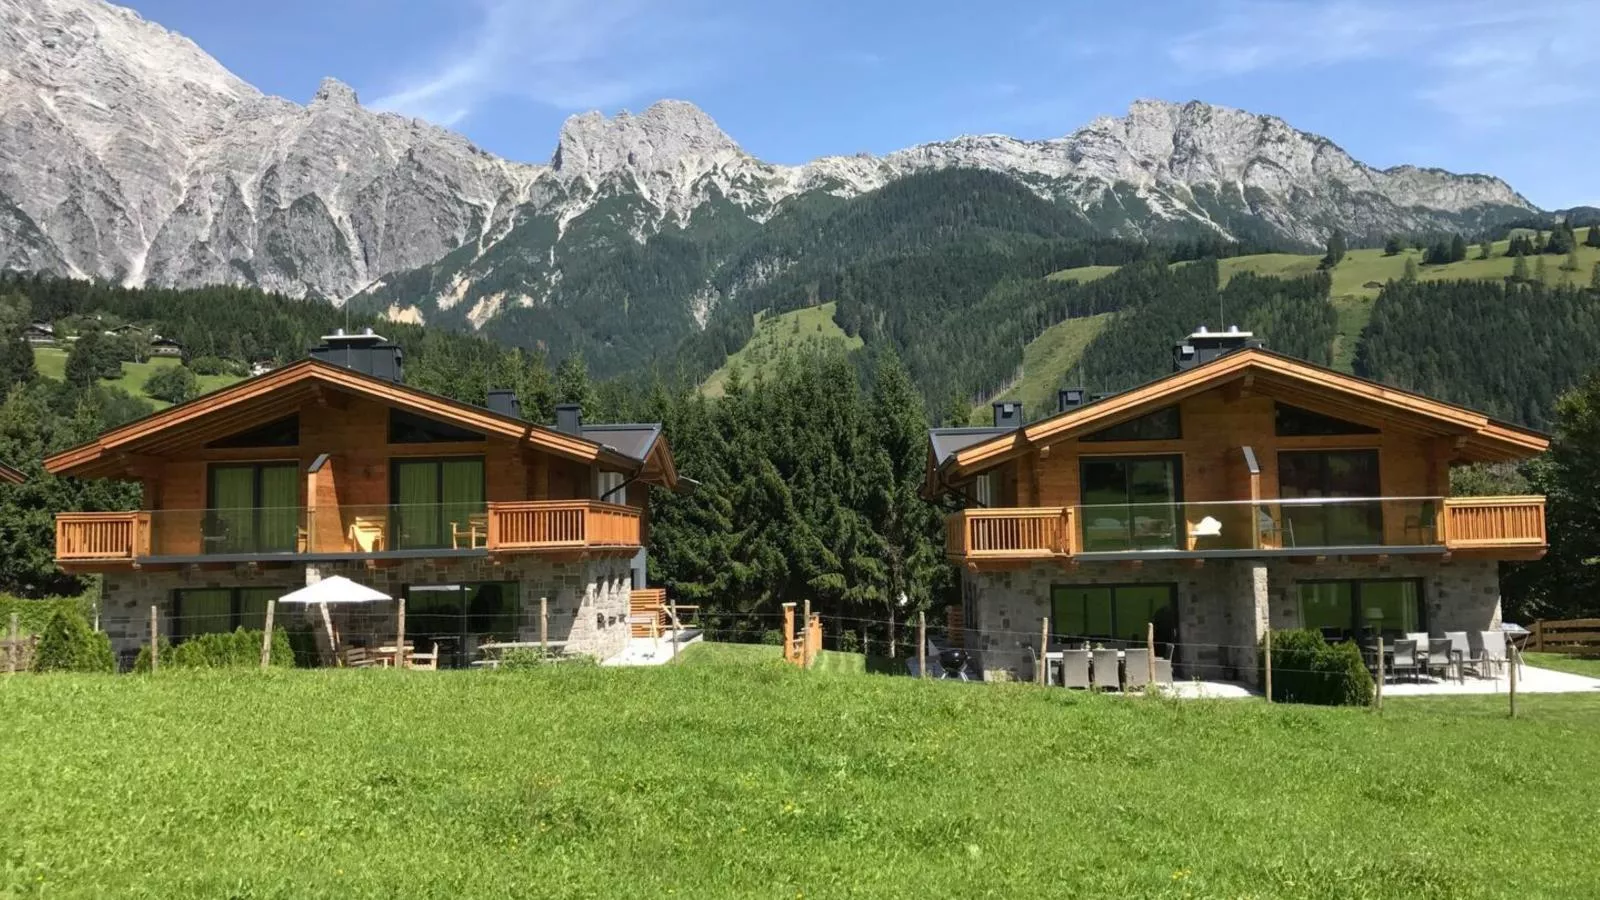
{"x": 1480, "y": 61}
{"x": 568, "y": 54}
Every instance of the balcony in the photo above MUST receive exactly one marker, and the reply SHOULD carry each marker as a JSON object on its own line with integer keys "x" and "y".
{"x": 383, "y": 531}
{"x": 1504, "y": 527}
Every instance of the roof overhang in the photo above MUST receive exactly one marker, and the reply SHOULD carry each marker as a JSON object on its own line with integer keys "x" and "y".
{"x": 1471, "y": 436}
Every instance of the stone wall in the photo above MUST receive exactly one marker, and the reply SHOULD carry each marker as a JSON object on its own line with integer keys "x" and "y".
{"x": 1224, "y": 606}
{"x": 587, "y": 600}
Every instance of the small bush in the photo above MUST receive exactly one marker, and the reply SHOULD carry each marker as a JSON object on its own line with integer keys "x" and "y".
{"x": 772, "y": 636}
{"x": 1307, "y": 669}
{"x": 69, "y": 645}
{"x": 220, "y": 650}
{"x": 174, "y": 384}
{"x": 523, "y": 659}
{"x": 216, "y": 365}
{"x": 849, "y": 642}
{"x": 34, "y": 615}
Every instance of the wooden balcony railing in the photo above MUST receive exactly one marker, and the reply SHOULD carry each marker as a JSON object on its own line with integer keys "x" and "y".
{"x": 1009, "y": 533}
{"x": 1478, "y": 523}
{"x": 108, "y": 536}
{"x": 561, "y": 524}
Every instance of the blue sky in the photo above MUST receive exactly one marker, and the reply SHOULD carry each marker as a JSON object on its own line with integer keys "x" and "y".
{"x": 1507, "y": 87}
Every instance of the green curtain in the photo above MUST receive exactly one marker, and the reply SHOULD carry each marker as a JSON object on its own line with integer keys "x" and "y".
{"x": 204, "y": 612}
{"x": 253, "y": 606}
{"x": 417, "y": 504}
{"x": 279, "y": 521}
{"x": 230, "y": 523}
{"x": 463, "y": 491}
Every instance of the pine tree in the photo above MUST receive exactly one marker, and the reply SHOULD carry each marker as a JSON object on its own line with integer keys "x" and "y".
{"x": 1486, "y": 249}
{"x": 1458, "y": 248}
{"x": 1594, "y": 278}
{"x": 1336, "y": 250}
{"x": 1519, "y": 269}
{"x": 572, "y": 384}
{"x": 1411, "y": 269}
{"x": 1571, "y": 265}
{"x": 1541, "y": 273}
{"x": 1592, "y": 239}
{"x": 1393, "y": 246}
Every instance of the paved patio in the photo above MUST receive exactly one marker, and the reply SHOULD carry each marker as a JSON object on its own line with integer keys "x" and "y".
{"x": 1530, "y": 680}
{"x": 653, "y": 651}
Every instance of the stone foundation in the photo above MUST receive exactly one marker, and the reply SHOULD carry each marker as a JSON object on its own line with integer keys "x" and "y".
{"x": 587, "y": 600}
{"x": 1224, "y": 606}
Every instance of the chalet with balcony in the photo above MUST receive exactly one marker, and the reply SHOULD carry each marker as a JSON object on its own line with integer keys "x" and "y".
{"x": 1246, "y": 488}
{"x": 332, "y": 465}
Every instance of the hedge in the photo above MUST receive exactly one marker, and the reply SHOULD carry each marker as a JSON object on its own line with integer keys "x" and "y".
{"x": 1307, "y": 669}
{"x": 34, "y": 615}
{"x": 220, "y": 650}
{"x": 67, "y": 644}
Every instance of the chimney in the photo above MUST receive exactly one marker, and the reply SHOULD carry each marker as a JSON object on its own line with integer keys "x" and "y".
{"x": 367, "y": 353}
{"x": 1070, "y": 398}
{"x": 1204, "y": 346}
{"x": 569, "y": 419}
{"x": 1008, "y": 415}
{"x": 504, "y": 401}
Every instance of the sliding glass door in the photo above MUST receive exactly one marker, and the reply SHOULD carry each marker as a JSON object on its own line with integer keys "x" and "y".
{"x": 1131, "y": 503}
{"x": 1119, "y": 614}
{"x": 435, "y": 498}
{"x": 1332, "y": 475}
{"x": 252, "y": 508}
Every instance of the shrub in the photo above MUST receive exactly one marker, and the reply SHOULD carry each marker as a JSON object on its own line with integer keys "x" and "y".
{"x": 524, "y": 659}
{"x": 34, "y": 615}
{"x": 1307, "y": 669}
{"x": 174, "y": 384}
{"x": 220, "y": 650}
{"x": 215, "y": 365}
{"x": 849, "y": 642}
{"x": 772, "y": 636}
{"x": 69, "y": 645}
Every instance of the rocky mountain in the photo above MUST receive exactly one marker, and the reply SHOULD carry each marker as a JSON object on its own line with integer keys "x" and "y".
{"x": 127, "y": 153}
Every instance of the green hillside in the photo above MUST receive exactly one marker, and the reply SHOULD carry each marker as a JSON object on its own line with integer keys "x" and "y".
{"x": 777, "y": 336}
{"x": 1047, "y": 364}
{"x": 1357, "y": 280}
{"x": 52, "y": 363}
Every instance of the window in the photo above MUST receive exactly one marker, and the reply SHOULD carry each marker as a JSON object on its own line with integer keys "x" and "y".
{"x": 1130, "y": 503}
{"x": 1292, "y": 421}
{"x": 211, "y": 610}
{"x": 1162, "y": 425}
{"x": 1120, "y": 613}
{"x": 459, "y": 617}
{"x": 986, "y": 488}
{"x": 1344, "y": 609}
{"x": 282, "y": 433}
{"x": 608, "y": 487}
{"x": 252, "y": 508}
{"x": 408, "y": 428}
{"x": 1331, "y": 474}
{"x": 435, "y": 498}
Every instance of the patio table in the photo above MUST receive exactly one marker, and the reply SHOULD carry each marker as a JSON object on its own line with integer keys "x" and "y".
{"x": 1055, "y": 657}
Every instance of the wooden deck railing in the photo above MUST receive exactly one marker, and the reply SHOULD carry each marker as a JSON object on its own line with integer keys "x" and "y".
{"x": 1009, "y": 533}
{"x": 561, "y": 524}
{"x": 102, "y": 536}
{"x": 1473, "y": 523}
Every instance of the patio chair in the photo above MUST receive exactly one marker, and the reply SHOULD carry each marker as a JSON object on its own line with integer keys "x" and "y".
{"x": 1441, "y": 656}
{"x": 1033, "y": 665}
{"x": 1163, "y": 671}
{"x": 1075, "y": 669}
{"x": 366, "y": 534}
{"x": 1423, "y": 523}
{"x": 1405, "y": 658}
{"x": 1105, "y": 670}
{"x": 474, "y": 531}
{"x": 1461, "y": 648}
{"x": 1488, "y": 651}
{"x": 428, "y": 661}
{"x": 1137, "y": 673}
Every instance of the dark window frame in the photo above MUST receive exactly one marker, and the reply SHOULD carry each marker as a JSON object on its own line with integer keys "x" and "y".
{"x": 267, "y": 435}
{"x": 1172, "y": 603}
{"x": 1174, "y": 459}
{"x": 463, "y": 614}
{"x": 395, "y": 463}
{"x": 1113, "y": 433}
{"x": 235, "y": 607}
{"x": 256, "y": 509}
{"x": 1357, "y": 622}
{"x": 427, "y": 430}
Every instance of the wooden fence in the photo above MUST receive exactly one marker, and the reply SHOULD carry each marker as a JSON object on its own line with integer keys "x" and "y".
{"x": 801, "y": 649}
{"x": 17, "y": 655}
{"x": 1566, "y": 636}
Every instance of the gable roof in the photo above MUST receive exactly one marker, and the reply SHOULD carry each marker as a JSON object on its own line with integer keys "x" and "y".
{"x": 946, "y": 442}
{"x": 281, "y": 392}
{"x": 1478, "y": 438}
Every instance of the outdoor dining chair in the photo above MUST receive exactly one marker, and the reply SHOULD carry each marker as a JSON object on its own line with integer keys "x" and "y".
{"x": 1441, "y": 656}
{"x": 1405, "y": 658}
{"x": 1488, "y": 651}
{"x": 1075, "y": 669}
{"x": 1105, "y": 670}
{"x": 1137, "y": 665}
{"x": 1461, "y": 648}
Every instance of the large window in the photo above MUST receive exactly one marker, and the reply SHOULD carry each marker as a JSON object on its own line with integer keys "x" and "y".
{"x": 1392, "y": 607}
{"x": 1162, "y": 425}
{"x": 409, "y": 428}
{"x": 210, "y": 610}
{"x": 1330, "y": 474}
{"x": 252, "y": 508}
{"x": 1114, "y": 612}
{"x": 1292, "y": 421}
{"x": 460, "y": 617}
{"x": 1130, "y": 503}
{"x": 435, "y": 498}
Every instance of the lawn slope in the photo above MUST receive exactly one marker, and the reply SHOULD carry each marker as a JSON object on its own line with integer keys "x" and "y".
{"x": 52, "y": 363}
{"x": 1048, "y": 364}
{"x": 740, "y": 780}
{"x": 777, "y": 336}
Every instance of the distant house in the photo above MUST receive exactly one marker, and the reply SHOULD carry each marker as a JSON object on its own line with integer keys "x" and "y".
{"x": 262, "y": 367}
{"x": 161, "y": 346}
{"x": 41, "y": 334}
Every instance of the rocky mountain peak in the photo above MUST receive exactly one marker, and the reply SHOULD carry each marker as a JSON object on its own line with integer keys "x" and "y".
{"x": 664, "y": 138}
{"x": 334, "y": 91}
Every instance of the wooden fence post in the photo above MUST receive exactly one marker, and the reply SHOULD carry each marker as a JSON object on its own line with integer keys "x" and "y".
{"x": 805, "y": 645}
{"x": 1043, "y": 672}
{"x": 788, "y": 632}
{"x": 1514, "y": 662}
{"x": 15, "y": 649}
{"x": 1150, "y": 655}
{"x": 400, "y": 634}
{"x": 155, "y": 639}
{"x": 677, "y": 627}
{"x": 544, "y": 626}
{"x": 1268, "y": 657}
{"x": 1538, "y": 635}
{"x": 922, "y": 644}
{"x": 1380, "y": 674}
{"x": 266, "y": 636}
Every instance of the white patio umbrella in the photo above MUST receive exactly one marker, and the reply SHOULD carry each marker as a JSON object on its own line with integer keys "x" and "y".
{"x": 339, "y": 589}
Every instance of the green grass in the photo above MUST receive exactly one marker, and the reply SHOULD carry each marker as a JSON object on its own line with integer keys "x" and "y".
{"x": 1562, "y": 662}
{"x": 52, "y": 363}
{"x": 714, "y": 653}
{"x": 777, "y": 336}
{"x": 1084, "y": 274}
{"x": 1357, "y": 280}
{"x": 1048, "y": 362}
{"x": 764, "y": 781}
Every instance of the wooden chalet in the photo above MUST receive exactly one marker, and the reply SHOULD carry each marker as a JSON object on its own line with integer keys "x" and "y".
{"x": 1244, "y": 488}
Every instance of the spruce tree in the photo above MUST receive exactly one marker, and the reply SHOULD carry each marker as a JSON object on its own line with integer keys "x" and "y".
{"x": 1458, "y": 248}
{"x": 1486, "y": 249}
{"x": 1336, "y": 250}
{"x": 572, "y": 384}
{"x": 1571, "y": 265}
{"x": 1592, "y": 239}
{"x": 1519, "y": 269}
{"x": 1393, "y": 246}
{"x": 1594, "y": 278}
{"x": 1411, "y": 269}
{"x": 1541, "y": 272}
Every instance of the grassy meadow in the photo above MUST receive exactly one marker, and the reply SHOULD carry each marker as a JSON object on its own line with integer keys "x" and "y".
{"x": 734, "y": 775}
{"x": 1047, "y": 365}
{"x": 52, "y": 363}
{"x": 775, "y": 337}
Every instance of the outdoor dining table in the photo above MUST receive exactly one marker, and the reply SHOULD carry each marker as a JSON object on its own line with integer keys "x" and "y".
{"x": 1055, "y": 656}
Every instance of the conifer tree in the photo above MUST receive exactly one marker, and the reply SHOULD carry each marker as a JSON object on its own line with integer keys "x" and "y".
{"x": 1411, "y": 269}
{"x": 1519, "y": 269}
{"x": 1486, "y": 249}
{"x": 573, "y": 386}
